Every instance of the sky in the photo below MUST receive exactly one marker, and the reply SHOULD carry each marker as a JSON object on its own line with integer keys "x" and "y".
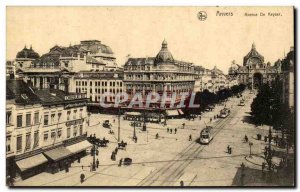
{"x": 139, "y": 31}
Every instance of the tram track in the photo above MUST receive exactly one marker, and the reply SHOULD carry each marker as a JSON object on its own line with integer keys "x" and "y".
{"x": 193, "y": 149}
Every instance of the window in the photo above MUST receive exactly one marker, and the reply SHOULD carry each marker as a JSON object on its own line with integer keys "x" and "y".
{"x": 68, "y": 132}
{"x": 45, "y": 136}
{"x": 28, "y": 119}
{"x": 8, "y": 117}
{"x": 19, "y": 121}
{"x": 36, "y": 118}
{"x": 46, "y": 119}
{"x": 74, "y": 114}
{"x": 8, "y": 143}
{"x": 75, "y": 131}
{"x": 52, "y": 118}
{"x": 80, "y": 130}
{"x": 19, "y": 143}
{"x": 59, "y": 133}
{"x": 36, "y": 140}
{"x": 68, "y": 115}
{"x": 59, "y": 115}
{"x": 28, "y": 141}
{"x": 53, "y": 134}
{"x": 80, "y": 113}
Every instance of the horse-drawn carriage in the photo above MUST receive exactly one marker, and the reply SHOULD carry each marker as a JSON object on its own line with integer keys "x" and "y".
{"x": 106, "y": 124}
{"x": 127, "y": 161}
{"x": 122, "y": 145}
{"x": 101, "y": 143}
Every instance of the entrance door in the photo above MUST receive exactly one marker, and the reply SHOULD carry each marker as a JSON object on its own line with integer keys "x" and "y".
{"x": 257, "y": 80}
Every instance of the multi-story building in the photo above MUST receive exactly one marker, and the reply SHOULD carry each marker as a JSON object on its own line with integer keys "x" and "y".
{"x": 10, "y": 70}
{"x": 45, "y": 129}
{"x": 254, "y": 70}
{"x": 95, "y": 84}
{"x": 158, "y": 74}
{"x": 288, "y": 78}
{"x": 56, "y": 69}
{"x": 213, "y": 80}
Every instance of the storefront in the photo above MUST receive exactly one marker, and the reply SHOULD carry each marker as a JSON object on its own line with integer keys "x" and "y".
{"x": 59, "y": 159}
{"x": 79, "y": 149}
{"x": 32, "y": 165}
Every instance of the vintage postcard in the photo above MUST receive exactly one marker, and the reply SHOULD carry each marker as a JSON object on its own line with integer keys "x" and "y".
{"x": 150, "y": 96}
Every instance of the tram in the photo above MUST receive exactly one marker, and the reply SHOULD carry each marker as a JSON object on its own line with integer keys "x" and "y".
{"x": 242, "y": 102}
{"x": 224, "y": 113}
{"x": 206, "y": 135}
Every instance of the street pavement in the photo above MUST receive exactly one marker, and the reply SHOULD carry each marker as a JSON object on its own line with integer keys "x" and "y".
{"x": 171, "y": 158}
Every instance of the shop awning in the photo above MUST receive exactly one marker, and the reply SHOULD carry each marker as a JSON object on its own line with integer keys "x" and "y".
{"x": 133, "y": 113}
{"x": 180, "y": 112}
{"x": 78, "y": 147}
{"x": 173, "y": 112}
{"x": 58, "y": 153}
{"x": 31, "y": 162}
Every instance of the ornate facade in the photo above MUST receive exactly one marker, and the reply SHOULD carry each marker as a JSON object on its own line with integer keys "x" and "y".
{"x": 158, "y": 74}
{"x": 254, "y": 70}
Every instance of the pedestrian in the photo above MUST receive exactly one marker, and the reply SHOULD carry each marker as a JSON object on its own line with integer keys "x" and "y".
{"x": 246, "y": 138}
{"x": 183, "y": 124}
{"x": 228, "y": 148}
{"x": 82, "y": 176}
{"x": 67, "y": 168}
{"x": 156, "y": 136}
{"x": 263, "y": 165}
{"x": 82, "y": 167}
{"x": 171, "y": 131}
{"x": 113, "y": 156}
{"x": 120, "y": 162}
{"x": 265, "y": 153}
{"x": 175, "y": 130}
{"x": 116, "y": 150}
{"x": 97, "y": 163}
{"x": 181, "y": 183}
{"x": 190, "y": 137}
{"x": 168, "y": 130}
{"x": 243, "y": 166}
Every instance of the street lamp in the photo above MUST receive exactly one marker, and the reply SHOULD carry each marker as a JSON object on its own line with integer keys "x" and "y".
{"x": 89, "y": 116}
{"x": 250, "y": 145}
{"x": 94, "y": 151}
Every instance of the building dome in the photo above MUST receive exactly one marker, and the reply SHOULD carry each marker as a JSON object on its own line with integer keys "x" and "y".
{"x": 27, "y": 53}
{"x": 164, "y": 55}
{"x": 253, "y": 54}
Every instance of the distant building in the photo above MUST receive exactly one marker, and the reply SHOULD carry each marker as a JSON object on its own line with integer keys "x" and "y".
{"x": 213, "y": 80}
{"x": 254, "y": 70}
{"x": 45, "y": 129}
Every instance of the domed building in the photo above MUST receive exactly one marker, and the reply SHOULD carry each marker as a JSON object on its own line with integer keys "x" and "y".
{"x": 161, "y": 74}
{"x": 254, "y": 70}
{"x": 164, "y": 55}
{"x": 26, "y": 57}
